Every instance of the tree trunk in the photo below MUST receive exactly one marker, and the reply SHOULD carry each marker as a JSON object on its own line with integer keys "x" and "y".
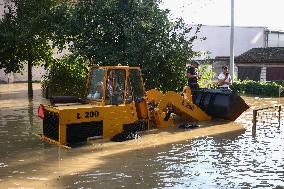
{"x": 30, "y": 79}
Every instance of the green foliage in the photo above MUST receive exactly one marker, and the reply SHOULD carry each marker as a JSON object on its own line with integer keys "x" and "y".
{"x": 207, "y": 74}
{"x": 24, "y": 36}
{"x": 258, "y": 87}
{"x": 24, "y": 33}
{"x": 129, "y": 32}
{"x": 66, "y": 77}
{"x": 279, "y": 82}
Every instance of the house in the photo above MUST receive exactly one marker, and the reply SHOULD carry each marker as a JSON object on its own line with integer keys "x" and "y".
{"x": 261, "y": 64}
{"x": 216, "y": 47}
{"x": 250, "y": 43}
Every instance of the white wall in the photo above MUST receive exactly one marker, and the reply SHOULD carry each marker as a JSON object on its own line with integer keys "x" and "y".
{"x": 218, "y": 39}
{"x": 2, "y": 8}
{"x": 38, "y": 72}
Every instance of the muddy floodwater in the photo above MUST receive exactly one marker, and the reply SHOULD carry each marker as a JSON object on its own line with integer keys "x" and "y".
{"x": 247, "y": 159}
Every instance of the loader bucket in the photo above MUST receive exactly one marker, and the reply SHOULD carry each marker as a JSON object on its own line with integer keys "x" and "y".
{"x": 219, "y": 103}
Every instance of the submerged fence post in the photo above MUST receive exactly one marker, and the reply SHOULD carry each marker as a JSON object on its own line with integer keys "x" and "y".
{"x": 279, "y": 115}
{"x": 254, "y": 123}
{"x": 254, "y": 113}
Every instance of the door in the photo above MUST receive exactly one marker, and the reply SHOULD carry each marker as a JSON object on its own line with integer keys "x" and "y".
{"x": 249, "y": 73}
{"x": 274, "y": 73}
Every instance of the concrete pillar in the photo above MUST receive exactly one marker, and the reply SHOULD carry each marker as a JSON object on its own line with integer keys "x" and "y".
{"x": 236, "y": 72}
{"x": 263, "y": 73}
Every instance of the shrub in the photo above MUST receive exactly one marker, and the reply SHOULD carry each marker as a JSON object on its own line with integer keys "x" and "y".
{"x": 258, "y": 87}
{"x": 207, "y": 75}
{"x": 66, "y": 77}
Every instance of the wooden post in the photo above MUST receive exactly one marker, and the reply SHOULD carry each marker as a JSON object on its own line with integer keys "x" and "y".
{"x": 254, "y": 120}
{"x": 279, "y": 114}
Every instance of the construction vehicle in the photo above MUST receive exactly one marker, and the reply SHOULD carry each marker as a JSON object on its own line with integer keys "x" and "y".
{"x": 116, "y": 102}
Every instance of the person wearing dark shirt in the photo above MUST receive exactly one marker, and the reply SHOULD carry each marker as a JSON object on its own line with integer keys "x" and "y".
{"x": 192, "y": 75}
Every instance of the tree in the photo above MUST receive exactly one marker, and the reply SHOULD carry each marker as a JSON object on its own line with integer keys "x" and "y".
{"x": 66, "y": 77}
{"x": 129, "y": 32}
{"x": 24, "y": 36}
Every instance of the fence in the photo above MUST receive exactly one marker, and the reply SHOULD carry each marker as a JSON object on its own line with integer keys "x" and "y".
{"x": 267, "y": 115}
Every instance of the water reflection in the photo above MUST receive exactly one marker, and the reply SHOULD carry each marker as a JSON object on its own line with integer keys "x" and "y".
{"x": 31, "y": 114}
{"x": 227, "y": 161}
{"x": 241, "y": 160}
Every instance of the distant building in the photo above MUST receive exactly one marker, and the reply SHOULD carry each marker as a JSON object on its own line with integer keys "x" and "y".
{"x": 274, "y": 39}
{"x": 218, "y": 40}
{"x": 38, "y": 72}
{"x": 2, "y": 7}
{"x": 261, "y": 64}
{"x": 248, "y": 42}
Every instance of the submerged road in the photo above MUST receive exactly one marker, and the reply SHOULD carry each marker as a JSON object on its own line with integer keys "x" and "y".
{"x": 168, "y": 158}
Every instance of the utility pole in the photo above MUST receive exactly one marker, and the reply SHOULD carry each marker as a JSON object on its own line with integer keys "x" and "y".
{"x": 232, "y": 61}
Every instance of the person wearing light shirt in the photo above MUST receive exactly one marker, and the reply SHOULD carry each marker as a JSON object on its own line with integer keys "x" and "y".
{"x": 224, "y": 78}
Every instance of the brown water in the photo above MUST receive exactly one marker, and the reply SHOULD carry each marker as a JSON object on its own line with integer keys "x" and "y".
{"x": 238, "y": 160}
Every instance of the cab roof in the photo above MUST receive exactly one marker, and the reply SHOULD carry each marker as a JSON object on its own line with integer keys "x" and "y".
{"x": 115, "y": 67}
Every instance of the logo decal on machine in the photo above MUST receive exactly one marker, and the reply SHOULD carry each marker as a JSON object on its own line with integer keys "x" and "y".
{"x": 187, "y": 105}
{"x": 90, "y": 114}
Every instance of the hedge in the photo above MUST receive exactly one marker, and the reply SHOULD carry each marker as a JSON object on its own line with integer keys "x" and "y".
{"x": 258, "y": 87}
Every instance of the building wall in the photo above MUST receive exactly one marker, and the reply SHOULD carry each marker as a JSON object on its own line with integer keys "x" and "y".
{"x": 265, "y": 69}
{"x": 38, "y": 72}
{"x": 218, "y": 39}
{"x": 2, "y": 8}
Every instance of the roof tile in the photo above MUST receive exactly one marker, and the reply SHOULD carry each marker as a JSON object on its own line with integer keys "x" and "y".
{"x": 262, "y": 55}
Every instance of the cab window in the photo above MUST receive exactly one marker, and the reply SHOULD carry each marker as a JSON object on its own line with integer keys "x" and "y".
{"x": 129, "y": 93}
{"x": 115, "y": 86}
{"x": 136, "y": 84}
{"x": 96, "y": 87}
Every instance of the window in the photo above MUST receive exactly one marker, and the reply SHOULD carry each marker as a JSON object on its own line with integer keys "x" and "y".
{"x": 129, "y": 93}
{"x": 96, "y": 84}
{"x": 115, "y": 86}
{"x": 276, "y": 39}
{"x": 274, "y": 73}
{"x": 136, "y": 85}
{"x": 249, "y": 73}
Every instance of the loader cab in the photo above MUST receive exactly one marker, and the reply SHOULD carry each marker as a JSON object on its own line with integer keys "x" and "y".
{"x": 115, "y": 85}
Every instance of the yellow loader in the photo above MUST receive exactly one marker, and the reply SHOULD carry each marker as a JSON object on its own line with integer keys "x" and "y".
{"x": 116, "y": 102}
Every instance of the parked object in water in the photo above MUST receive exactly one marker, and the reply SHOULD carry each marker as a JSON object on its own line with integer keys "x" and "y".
{"x": 116, "y": 104}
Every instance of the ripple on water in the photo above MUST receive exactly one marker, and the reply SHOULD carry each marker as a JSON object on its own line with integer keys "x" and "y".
{"x": 247, "y": 160}
{"x": 242, "y": 159}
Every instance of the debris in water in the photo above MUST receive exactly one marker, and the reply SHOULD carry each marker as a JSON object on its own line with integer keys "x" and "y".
{"x": 125, "y": 136}
{"x": 188, "y": 126}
